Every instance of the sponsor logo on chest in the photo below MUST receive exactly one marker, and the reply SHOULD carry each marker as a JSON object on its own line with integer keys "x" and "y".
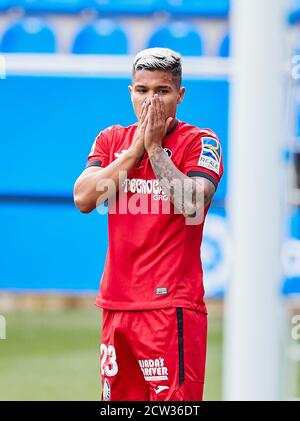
{"x": 141, "y": 186}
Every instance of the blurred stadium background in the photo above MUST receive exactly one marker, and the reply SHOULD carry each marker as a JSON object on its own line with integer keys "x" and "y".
{"x": 64, "y": 68}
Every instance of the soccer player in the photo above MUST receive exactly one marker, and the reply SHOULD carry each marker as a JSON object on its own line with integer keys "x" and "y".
{"x": 159, "y": 176}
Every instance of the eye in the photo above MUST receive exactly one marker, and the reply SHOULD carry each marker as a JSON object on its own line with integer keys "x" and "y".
{"x": 163, "y": 91}
{"x": 141, "y": 90}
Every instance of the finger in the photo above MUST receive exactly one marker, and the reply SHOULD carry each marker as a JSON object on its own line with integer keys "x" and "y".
{"x": 157, "y": 108}
{"x": 141, "y": 114}
{"x": 144, "y": 111}
{"x": 160, "y": 110}
{"x": 152, "y": 103}
{"x": 144, "y": 108}
{"x": 157, "y": 103}
{"x": 151, "y": 114}
{"x": 144, "y": 124}
{"x": 163, "y": 108}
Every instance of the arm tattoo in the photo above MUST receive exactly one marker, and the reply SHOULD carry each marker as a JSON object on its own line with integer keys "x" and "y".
{"x": 189, "y": 196}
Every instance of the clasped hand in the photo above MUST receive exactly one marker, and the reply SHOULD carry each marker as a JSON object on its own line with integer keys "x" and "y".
{"x": 153, "y": 124}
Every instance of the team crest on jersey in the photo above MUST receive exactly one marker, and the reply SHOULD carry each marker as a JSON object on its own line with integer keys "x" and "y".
{"x": 106, "y": 390}
{"x": 211, "y": 153}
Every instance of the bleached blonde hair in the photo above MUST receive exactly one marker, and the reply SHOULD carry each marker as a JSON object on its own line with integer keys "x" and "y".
{"x": 162, "y": 59}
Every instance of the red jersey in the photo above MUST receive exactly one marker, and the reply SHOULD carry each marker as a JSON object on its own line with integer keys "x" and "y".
{"x": 153, "y": 259}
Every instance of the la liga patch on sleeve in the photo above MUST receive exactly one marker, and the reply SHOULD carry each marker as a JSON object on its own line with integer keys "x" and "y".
{"x": 211, "y": 153}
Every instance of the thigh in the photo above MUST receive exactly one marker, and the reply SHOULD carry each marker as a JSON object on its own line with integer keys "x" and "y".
{"x": 120, "y": 372}
{"x": 170, "y": 347}
{"x": 192, "y": 344}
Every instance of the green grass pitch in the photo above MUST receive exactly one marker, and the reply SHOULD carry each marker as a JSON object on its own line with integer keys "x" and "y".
{"x": 55, "y": 356}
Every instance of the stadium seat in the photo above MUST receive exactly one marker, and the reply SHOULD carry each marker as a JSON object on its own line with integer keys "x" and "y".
{"x": 207, "y": 8}
{"x": 55, "y": 6}
{"x": 179, "y": 36}
{"x": 224, "y": 50}
{"x": 295, "y": 224}
{"x": 5, "y": 4}
{"x": 101, "y": 37}
{"x": 297, "y": 122}
{"x": 291, "y": 255}
{"x": 294, "y": 11}
{"x": 133, "y": 7}
{"x": 31, "y": 35}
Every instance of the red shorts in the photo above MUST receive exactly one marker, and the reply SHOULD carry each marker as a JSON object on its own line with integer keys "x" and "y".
{"x": 153, "y": 355}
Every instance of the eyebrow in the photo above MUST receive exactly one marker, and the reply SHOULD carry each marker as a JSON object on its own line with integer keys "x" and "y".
{"x": 138, "y": 85}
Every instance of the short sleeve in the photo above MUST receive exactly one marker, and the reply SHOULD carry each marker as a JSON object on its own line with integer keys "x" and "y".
{"x": 204, "y": 158}
{"x": 99, "y": 154}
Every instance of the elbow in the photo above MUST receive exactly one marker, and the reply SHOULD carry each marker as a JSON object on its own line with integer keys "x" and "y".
{"x": 190, "y": 214}
{"x": 82, "y": 203}
{"x": 194, "y": 210}
{"x": 190, "y": 210}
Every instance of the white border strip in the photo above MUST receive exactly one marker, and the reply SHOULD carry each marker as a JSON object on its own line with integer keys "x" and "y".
{"x": 99, "y": 65}
{"x": 2, "y": 67}
{"x": 156, "y": 378}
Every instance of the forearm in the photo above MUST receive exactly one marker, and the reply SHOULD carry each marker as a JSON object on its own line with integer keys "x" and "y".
{"x": 94, "y": 188}
{"x": 187, "y": 195}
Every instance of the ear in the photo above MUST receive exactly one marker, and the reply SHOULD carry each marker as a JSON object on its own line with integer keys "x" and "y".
{"x": 180, "y": 95}
{"x": 130, "y": 89}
